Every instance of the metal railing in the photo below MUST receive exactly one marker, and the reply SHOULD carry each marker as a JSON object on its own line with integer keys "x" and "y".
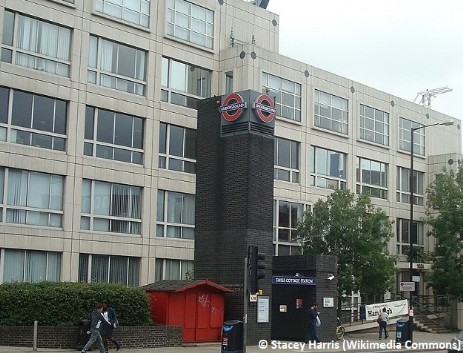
{"x": 431, "y": 308}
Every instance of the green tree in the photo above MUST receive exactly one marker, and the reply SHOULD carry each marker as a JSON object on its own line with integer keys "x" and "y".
{"x": 445, "y": 216}
{"x": 351, "y": 228}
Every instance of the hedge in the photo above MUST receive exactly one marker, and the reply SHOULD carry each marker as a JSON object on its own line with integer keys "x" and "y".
{"x": 66, "y": 303}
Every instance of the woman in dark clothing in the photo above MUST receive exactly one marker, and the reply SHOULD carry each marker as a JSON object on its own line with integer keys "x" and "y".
{"x": 111, "y": 323}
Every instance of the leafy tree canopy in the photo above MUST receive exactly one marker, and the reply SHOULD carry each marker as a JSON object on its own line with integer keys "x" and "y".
{"x": 351, "y": 228}
{"x": 445, "y": 216}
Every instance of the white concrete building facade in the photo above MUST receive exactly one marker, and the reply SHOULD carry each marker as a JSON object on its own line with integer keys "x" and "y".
{"x": 97, "y": 135}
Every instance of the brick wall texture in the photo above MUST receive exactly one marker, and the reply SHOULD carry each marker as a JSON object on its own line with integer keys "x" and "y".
{"x": 234, "y": 210}
{"x": 67, "y": 336}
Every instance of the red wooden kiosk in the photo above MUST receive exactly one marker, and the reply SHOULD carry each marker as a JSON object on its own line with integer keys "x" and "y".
{"x": 195, "y": 305}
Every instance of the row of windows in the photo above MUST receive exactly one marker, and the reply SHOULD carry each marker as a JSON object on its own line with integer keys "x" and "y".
{"x": 37, "y": 199}
{"x": 288, "y": 214}
{"x": 44, "y": 46}
{"x": 328, "y": 170}
{"x": 34, "y": 198}
{"x": 41, "y": 121}
{"x": 36, "y": 266}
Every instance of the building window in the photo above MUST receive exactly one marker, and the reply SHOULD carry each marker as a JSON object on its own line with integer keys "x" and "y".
{"x": 229, "y": 82}
{"x": 31, "y": 198}
{"x": 286, "y": 160}
{"x": 177, "y": 148}
{"x": 327, "y": 168}
{"x": 112, "y": 135}
{"x": 32, "y": 120}
{"x": 175, "y": 215}
{"x": 168, "y": 269}
{"x": 287, "y": 96}
{"x": 331, "y": 112}
{"x": 36, "y": 44}
{"x": 115, "y": 65}
{"x": 403, "y": 240}
{"x": 371, "y": 178}
{"x": 30, "y": 265}
{"x": 110, "y": 269}
{"x": 403, "y": 186}
{"x": 133, "y": 11}
{"x": 184, "y": 84}
{"x": 190, "y": 22}
{"x": 374, "y": 125}
{"x": 286, "y": 216}
{"x": 109, "y": 207}
{"x": 405, "y": 132}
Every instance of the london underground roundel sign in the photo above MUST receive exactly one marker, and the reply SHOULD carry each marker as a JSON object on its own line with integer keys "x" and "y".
{"x": 264, "y": 108}
{"x": 233, "y": 107}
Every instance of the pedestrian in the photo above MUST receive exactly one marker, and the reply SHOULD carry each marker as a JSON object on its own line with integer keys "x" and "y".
{"x": 95, "y": 326}
{"x": 314, "y": 323}
{"x": 383, "y": 320}
{"x": 111, "y": 323}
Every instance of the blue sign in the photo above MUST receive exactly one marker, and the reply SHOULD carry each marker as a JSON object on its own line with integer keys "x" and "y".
{"x": 294, "y": 280}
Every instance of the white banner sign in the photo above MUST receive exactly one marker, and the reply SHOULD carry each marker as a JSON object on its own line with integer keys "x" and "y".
{"x": 395, "y": 308}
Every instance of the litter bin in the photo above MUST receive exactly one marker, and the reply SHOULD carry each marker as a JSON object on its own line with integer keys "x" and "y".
{"x": 232, "y": 337}
{"x": 84, "y": 333}
{"x": 402, "y": 332}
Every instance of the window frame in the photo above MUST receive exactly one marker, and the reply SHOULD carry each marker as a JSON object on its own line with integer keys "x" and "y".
{"x": 403, "y": 237}
{"x": 329, "y": 108}
{"x": 58, "y": 63}
{"x": 86, "y": 268}
{"x": 403, "y": 186}
{"x": 52, "y": 273}
{"x": 162, "y": 266}
{"x": 181, "y": 230}
{"x": 291, "y": 242}
{"x": 332, "y": 182}
{"x": 124, "y": 6}
{"x": 372, "y": 132}
{"x": 23, "y": 208}
{"x": 280, "y": 170}
{"x": 32, "y": 136}
{"x": 378, "y": 190}
{"x": 167, "y": 160}
{"x": 187, "y": 95}
{"x": 281, "y": 90}
{"x": 113, "y": 78}
{"x": 93, "y": 221}
{"x": 183, "y": 11}
{"x": 93, "y": 145}
{"x": 405, "y": 135}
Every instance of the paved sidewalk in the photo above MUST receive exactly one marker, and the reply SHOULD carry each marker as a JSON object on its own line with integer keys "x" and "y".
{"x": 354, "y": 342}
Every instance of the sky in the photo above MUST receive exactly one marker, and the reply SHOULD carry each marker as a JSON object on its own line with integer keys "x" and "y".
{"x": 401, "y": 47}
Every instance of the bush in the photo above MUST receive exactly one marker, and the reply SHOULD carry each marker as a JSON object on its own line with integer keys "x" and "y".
{"x": 65, "y": 303}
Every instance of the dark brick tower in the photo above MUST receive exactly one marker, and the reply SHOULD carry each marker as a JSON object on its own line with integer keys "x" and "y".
{"x": 234, "y": 196}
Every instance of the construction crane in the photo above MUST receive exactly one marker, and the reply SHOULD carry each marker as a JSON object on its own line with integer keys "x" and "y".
{"x": 429, "y": 94}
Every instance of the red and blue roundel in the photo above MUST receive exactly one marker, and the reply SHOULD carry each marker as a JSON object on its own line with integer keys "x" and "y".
{"x": 233, "y": 107}
{"x": 264, "y": 108}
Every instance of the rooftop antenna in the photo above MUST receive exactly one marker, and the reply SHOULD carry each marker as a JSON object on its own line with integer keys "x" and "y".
{"x": 429, "y": 94}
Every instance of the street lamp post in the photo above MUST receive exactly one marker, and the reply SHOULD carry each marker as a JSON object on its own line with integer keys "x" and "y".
{"x": 410, "y": 229}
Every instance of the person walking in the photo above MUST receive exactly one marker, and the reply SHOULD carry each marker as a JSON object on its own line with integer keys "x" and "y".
{"x": 111, "y": 323}
{"x": 314, "y": 323}
{"x": 383, "y": 320}
{"x": 95, "y": 326}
